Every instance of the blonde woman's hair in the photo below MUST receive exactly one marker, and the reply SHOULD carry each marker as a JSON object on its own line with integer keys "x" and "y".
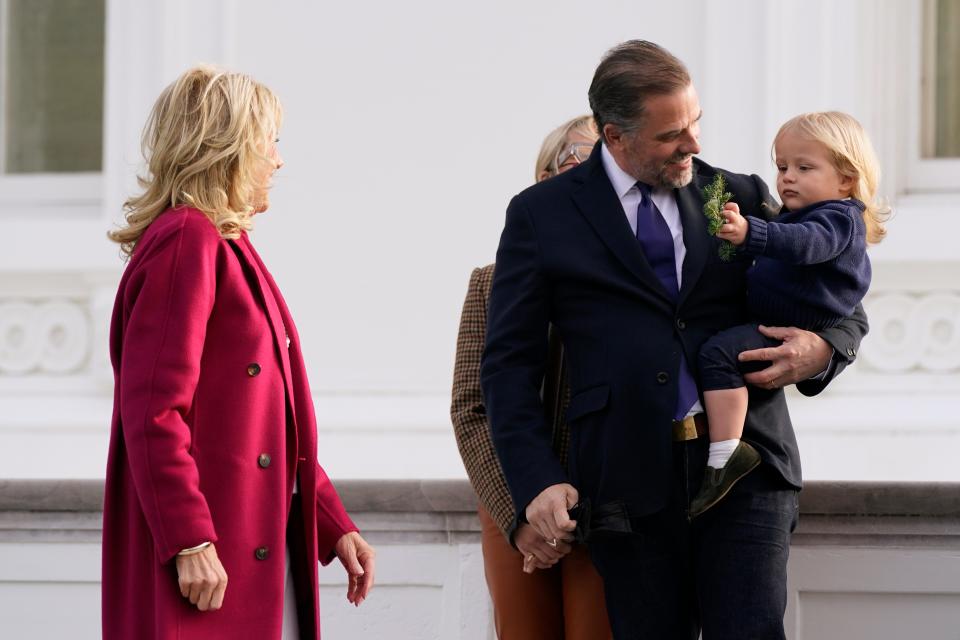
{"x": 204, "y": 146}
{"x": 556, "y": 140}
{"x": 852, "y": 155}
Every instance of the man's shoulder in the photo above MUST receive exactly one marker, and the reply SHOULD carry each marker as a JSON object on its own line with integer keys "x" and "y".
{"x": 705, "y": 173}
{"x": 564, "y": 196}
{"x": 556, "y": 187}
{"x": 744, "y": 187}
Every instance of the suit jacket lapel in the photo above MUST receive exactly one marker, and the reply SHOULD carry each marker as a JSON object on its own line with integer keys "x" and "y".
{"x": 696, "y": 238}
{"x": 601, "y": 207}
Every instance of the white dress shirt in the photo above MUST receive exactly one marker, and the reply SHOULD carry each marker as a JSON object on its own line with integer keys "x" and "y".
{"x": 626, "y": 189}
{"x": 625, "y": 186}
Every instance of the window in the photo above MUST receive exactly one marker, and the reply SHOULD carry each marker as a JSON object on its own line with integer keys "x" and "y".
{"x": 941, "y": 80}
{"x": 932, "y": 143}
{"x": 51, "y": 86}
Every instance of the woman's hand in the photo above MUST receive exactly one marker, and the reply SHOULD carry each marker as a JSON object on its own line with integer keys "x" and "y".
{"x": 537, "y": 552}
{"x": 202, "y": 579}
{"x": 357, "y": 558}
{"x": 735, "y": 226}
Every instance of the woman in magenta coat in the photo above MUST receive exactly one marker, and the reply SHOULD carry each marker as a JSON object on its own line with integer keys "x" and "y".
{"x": 216, "y": 512}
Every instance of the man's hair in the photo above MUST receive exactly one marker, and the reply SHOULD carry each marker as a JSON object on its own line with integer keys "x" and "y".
{"x": 627, "y": 75}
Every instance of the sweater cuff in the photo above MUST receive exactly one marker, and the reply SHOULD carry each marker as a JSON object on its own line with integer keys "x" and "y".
{"x": 756, "y": 242}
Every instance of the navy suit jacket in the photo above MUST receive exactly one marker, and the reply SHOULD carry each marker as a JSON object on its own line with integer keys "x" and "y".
{"x": 567, "y": 256}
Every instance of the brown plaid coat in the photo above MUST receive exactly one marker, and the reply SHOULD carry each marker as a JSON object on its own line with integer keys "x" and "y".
{"x": 469, "y": 415}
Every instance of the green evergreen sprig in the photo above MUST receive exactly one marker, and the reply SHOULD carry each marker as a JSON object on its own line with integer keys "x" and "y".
{"x": 715, "y": 195}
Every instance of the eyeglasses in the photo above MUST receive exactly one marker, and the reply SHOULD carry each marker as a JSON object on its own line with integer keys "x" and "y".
{"x": 572, "y": 155}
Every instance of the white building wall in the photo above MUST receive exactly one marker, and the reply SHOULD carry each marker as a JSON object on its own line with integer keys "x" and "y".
{"x": 877, "y": 561}
{"x": 408, "y": 128}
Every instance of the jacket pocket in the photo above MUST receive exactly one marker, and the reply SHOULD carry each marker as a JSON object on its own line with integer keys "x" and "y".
{"x": 588, "y": 401}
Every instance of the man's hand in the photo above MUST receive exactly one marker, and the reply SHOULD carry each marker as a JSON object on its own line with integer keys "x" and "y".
{"x": 537, "y": 552}
{"x": 735, "y": 226}
{"x": 357, "y": 558}
{"x": 547, "y": 513}
{"x": 802, "y": 355}
{"x": 202, "y": 579}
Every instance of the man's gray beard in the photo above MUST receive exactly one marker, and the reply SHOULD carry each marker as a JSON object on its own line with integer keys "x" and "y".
{"x": 662, "y": 178}
{"x": 677, "y": 182}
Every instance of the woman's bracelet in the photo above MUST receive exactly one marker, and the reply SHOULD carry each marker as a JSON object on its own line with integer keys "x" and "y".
{"x": 192, "y": 550}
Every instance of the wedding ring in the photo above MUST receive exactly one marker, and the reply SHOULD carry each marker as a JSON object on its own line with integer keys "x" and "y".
{"x": 552, "y": 543}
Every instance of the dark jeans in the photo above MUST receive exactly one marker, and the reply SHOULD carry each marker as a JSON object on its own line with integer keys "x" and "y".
{"x": 726, "y": 572}
{"x": 719, "y": 367}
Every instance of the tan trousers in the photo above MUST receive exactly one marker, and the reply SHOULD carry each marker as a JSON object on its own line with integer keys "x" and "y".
{"x": 564, "y": 602}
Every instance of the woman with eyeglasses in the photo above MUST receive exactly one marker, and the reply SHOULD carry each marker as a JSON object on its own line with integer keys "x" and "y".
{"x": 541, "y": 590}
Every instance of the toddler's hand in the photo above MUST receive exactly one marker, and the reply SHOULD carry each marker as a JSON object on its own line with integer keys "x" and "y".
{"x": 735, "y": 226}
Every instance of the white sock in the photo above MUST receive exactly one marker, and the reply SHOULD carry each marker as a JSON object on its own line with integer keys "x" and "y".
{"x": 720, "y": 452}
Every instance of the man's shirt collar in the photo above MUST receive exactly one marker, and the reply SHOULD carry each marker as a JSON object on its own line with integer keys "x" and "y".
{"x": 621, "y": 180}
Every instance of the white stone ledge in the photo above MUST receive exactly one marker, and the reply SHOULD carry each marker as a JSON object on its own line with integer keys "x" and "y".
{"x": 415, "y": 512}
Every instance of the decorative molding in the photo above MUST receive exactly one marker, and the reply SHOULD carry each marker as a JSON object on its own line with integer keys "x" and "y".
{"x": 54, "y": 331}
{"x": 913, "y": 333}
{"x": 49, "y": 336}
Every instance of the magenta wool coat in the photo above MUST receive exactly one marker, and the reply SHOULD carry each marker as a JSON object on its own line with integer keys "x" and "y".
{"x": 212, "y": 423}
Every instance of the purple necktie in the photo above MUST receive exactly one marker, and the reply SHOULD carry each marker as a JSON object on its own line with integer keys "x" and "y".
{"x": 657, "y": 242}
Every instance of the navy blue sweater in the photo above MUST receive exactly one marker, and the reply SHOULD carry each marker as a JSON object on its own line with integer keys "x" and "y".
{"x": 811, "y": 266}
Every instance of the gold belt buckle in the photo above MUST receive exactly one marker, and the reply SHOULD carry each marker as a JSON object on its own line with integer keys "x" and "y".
{"x": 685, "y": 429}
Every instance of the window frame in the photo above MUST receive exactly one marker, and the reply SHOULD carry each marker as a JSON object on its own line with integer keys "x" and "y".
{"x": 926, "y": 174}
{"x": 45, "y": 193}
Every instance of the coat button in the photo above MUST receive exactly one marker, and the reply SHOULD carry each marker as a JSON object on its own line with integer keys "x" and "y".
{"x": 253, "y": 369}
{"x": 262, "y": 553}
{"x": 263, "y": 460}
{"x": 662, "y": 377}
{"x": 681, "y": 324}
